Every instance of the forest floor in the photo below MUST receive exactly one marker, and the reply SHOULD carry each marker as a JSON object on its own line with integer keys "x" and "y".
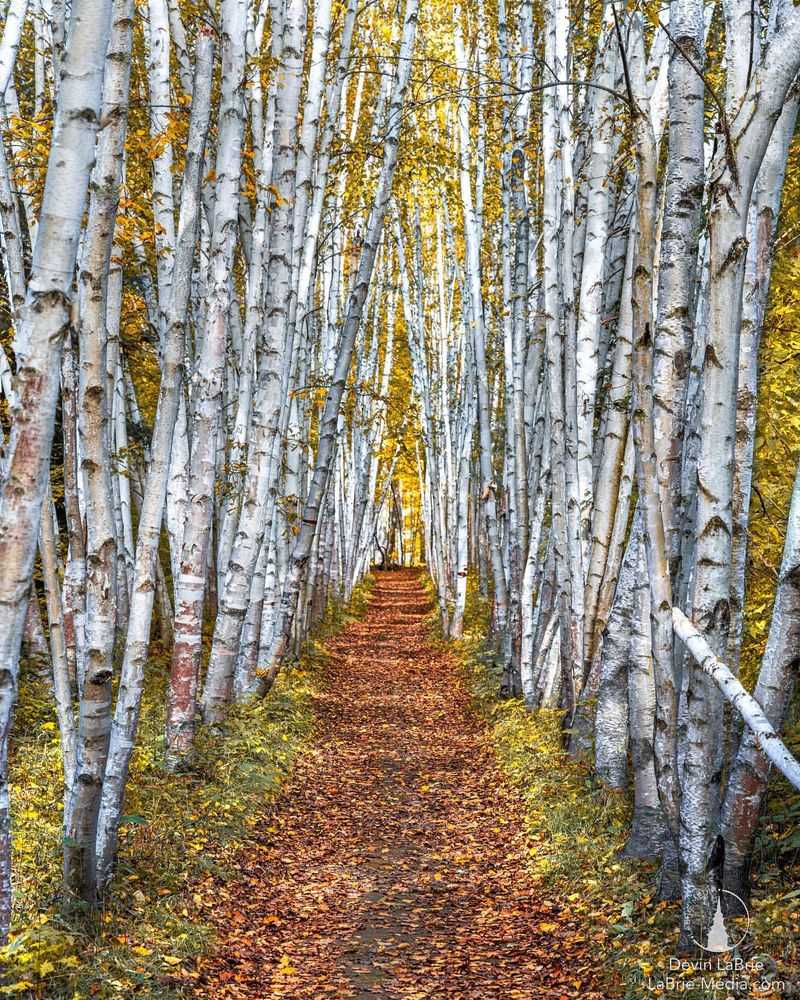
{"x": 395, "y": 864}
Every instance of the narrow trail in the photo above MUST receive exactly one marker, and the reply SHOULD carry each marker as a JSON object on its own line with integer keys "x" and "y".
{"x": 395, "y": 864}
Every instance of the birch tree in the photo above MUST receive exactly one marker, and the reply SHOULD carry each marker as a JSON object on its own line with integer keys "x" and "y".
{"x": 328, "y": 422}
{"x": 44, "y": 317}
{"x": 126, "y": 711}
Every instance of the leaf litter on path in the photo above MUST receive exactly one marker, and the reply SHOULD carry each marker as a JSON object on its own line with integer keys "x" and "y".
{"x": 395, "y": 863}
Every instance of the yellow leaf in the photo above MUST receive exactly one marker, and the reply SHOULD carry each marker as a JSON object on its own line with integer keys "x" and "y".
{"x": 285, "y": 966}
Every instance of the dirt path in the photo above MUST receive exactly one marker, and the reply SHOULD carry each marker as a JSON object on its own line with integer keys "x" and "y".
{"x": 394, "y": 866}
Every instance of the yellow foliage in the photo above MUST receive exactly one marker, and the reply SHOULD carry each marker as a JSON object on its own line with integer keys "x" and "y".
{"x": 577, "y": 829}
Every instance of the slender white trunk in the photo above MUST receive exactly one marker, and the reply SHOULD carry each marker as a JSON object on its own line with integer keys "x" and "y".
{"x": 488, "y": 487}
{"x": 207, "y": 379}
{"x": 735, "y": 172}
{"x": 329, "y": 420}
{"x": 62, "y": 688}
{"x": 99, "y": 621}
{"x": 40, "y": 331}
{"x": 126, "y": 714}
{"x": 274, "y": 361}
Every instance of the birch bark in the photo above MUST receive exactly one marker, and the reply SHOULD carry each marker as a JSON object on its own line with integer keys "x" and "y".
{"x": 734, "y": 172}
{"x": 274, "y": 354}
{"x": 80, "y": 814}
{"x": 126, "y": 713}
{"x": 488, "y": 488}
{"x": 680, "y": 233}
{"x": 773, "y": 692}
{"x": 329, "y": 420}
{"x": 40, "y": 333}
{"x": 207, "y": 379}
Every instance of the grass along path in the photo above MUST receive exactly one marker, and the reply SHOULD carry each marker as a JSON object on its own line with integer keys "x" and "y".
{"x": 395, "y": 864}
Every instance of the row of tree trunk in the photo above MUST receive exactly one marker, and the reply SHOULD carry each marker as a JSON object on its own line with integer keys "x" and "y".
{"x": 198, "y": 380}
{"x": 586, "y": 361}
{"x": 237, "y": 362}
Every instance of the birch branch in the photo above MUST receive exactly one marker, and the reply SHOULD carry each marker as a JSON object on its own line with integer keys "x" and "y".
{"x": 768, "y": 740}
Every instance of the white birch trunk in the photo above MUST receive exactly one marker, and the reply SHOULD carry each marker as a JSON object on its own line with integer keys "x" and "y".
{"x": 94, "y": 436}
{"x": 207, "y": 379}
{"x": 126, "y": 713}
{"x": 275, "y": 349}
{"x": 329, "y": 419}
{"x": 40, "y": 333}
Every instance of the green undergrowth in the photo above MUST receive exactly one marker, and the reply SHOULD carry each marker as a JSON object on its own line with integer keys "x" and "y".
{"x": 577, "y": 829}
{"x": 180, "y": 836}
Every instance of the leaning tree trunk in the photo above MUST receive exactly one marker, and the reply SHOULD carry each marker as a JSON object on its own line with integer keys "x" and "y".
{"x": 43, "y": 320}
{"x": 190, "y": 587}
{"x": 327, "y": 437}
{"x": 274, "y": 353}
{"x": 747, "y": 783}
{"x": 735, "y": 170}
{"x": 99, "y": 620}
{"x": 761, "y": 233}
{"x": 126, "y": 713}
